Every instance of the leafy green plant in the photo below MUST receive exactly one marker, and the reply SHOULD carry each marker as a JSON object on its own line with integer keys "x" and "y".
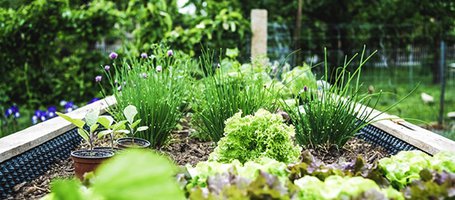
{"x": 332, "y": 116}
{"x": 299, "y": 78}
{"x": 153, "y": 84}
{"x": 112, "y": 128}
{"x": 91, "y": 120}
{"x": 150, "y": 177}
{"x": 406, "y": 166}
{"x": 260, "y": 135}
{"x": 222, "y": 95}
{"x": 130, "y": 112}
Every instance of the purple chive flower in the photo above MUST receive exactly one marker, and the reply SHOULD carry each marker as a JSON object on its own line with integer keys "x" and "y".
{"x": 93, "y": 100}
{"x": 107, "y": 67}
{"x": 143, "y": 55}
{"x": 144, "y": 75}
{"x": 98, "y": 79}
{"x": 170, "y": 53}
{"x": 113, "y": 55}
{"x": 159, "y": 68}
{"x": 218, "y": 65}
{"x": 119, "y": 88}
{"x": 305, "y": 88}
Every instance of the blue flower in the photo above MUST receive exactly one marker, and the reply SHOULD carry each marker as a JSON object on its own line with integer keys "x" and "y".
{"x": 69, "y": 106}
{"x": 12, "y": 111}
{"x": 34, "y": 119}
{"x": 93, "y": 100}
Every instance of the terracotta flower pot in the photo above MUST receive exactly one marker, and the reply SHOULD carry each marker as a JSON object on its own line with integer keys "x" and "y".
{"x": 129, "y": 142}
{"x": 88, "y": 160}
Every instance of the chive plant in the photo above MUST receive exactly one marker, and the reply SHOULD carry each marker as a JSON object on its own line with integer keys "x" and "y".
{"x": 222, "y": 96}
{"x": 334, "y": 115}
{"x": 153, "y": 84}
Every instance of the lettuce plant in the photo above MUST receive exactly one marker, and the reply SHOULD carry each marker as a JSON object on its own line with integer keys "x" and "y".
{"x": 260, "y": 135}
{"x": 406, "y": 166}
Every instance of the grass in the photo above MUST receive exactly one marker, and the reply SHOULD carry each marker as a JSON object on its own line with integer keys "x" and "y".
{"x": 398, "y": 82}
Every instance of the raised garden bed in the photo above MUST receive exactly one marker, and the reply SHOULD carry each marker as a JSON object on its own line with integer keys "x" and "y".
{"x": 24, "y": 164}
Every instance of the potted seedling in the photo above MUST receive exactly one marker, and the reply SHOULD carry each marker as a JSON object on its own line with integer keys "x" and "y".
{"x": 86, "y": 160}
{"x": 112, "y": 129}
{"x": 130, "y": 112}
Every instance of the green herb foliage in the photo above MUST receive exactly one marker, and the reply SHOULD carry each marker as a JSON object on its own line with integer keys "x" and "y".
{"x": 332, "y": 116}
{"x": 253, "y": 136}
{"x": 154, "y": 85}
{"x": 223, "y": 95}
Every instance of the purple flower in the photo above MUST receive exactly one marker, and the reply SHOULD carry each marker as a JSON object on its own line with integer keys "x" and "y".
{"x": 144, "y": 75}
{"x": 143, "y": 55}
{"x": 98, "y": 79}
{"x": 305, "y": 88}
{"x": 69, "y": 106}
{"x": 107, "y": 67}
{"x": 119, "y": 88}
{"x": 113, "y": 55}
{"x": 218, "y": 65}
{"x": 8, "y": 112}
{"x": 170, "y": 53}
{"x": 159, "y": 68}
{"x": 52, "y": 109}
{"x": 93, "y": 100}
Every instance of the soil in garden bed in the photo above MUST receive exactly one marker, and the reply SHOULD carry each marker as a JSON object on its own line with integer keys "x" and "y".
{"x": 187, "y": 150}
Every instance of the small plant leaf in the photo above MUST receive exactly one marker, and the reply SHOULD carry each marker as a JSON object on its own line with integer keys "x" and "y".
{"x": 119, "y": 125}
{"x": 104, "y": 133}
{"x": 142, "y": 128}
{"x": 94, "y": 127}
{"x": 106, "y": 121}
{"x": 130, "y": 112}
{"x": 83, "y": 133}
{"x": 77, "y": 122}
{"x": 92, "y": 117}
{"x": 135, "y": 124}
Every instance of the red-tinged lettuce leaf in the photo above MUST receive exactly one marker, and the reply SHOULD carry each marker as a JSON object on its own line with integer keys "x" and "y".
{"x": 432, "y": 185}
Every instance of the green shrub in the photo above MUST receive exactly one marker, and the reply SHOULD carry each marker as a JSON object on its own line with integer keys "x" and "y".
{"x": 48, "y": 50}
{"x": 154, "y": 85}
{"x": 260, "y": 135}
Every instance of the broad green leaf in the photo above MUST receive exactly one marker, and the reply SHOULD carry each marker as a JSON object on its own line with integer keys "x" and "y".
{"x": 94, "y": 127}
{"x": 150, "y": 177}
{"x": 106, "y": 121}
{"x": 119, "y": 125}
{"x": 62, "y": 188}
{"x": 104, "y": 133}
{"x": 77, "y": 122}
{"x": 142, "y": 128}
{"x": 92, "y": 117}
{"x": 135, "y": 124}
{"x": 83, "y": 133}
{"x": 130, "y": 112}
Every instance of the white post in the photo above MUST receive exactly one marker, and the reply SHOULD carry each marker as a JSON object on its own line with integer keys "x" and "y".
{"x": 259, "y": 30}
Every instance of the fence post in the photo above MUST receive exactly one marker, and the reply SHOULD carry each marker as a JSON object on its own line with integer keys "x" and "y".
{"x": 259, "y": 32}
{"x": 443, "y": 83}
